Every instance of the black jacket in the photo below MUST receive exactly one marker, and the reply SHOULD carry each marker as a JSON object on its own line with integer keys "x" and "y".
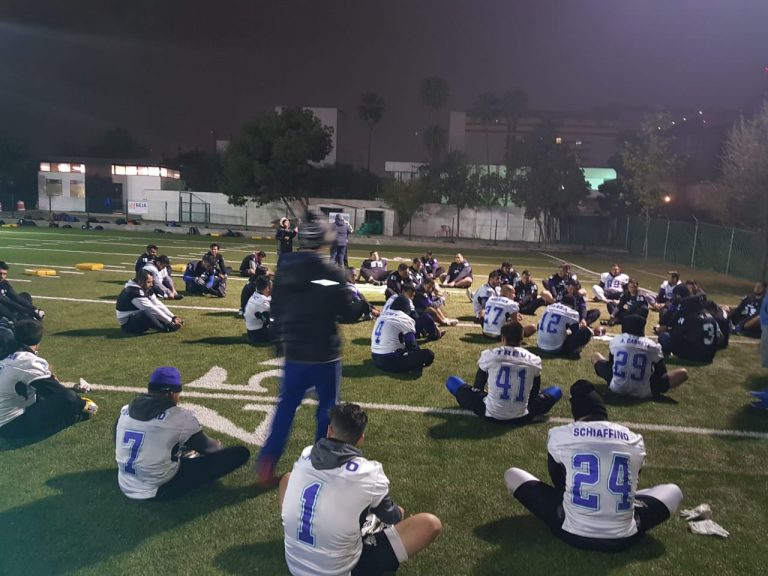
{"x": 308, "y": 294}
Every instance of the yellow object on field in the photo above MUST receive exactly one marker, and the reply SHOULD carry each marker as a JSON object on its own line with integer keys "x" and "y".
{"x": 268, "y": 238}
{"x": 215, "y": 234}
{"x": 89, "y": 266}
{"x": 256, "y": 238}
{"x": 9, "y": 226}
{"x": 178, "y": 267}
{"x": 39, "y": 272}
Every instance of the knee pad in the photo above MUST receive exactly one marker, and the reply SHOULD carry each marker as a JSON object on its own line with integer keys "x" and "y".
{"x": 553, "y": 392}
{"x": 453, "y": 383}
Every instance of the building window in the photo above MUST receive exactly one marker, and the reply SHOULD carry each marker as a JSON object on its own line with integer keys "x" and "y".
{"x": 579, "y": 142}
{"x": 53, "y": 187}
{"x": 558, "y": 140}
{"x": 64, "y": 167}
{"x": 77, "y": 189}
{"x": 45, "y": 166}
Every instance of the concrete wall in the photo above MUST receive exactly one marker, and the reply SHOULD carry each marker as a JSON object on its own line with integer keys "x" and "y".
{"x": 497, "y": 223}
{"x": 65, "y": 202}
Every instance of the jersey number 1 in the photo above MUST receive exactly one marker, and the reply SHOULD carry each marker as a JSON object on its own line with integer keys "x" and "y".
{"x": 308, "y": 501}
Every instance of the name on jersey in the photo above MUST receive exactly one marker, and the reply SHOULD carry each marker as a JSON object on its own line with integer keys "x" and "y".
{"x": 514, "y": 353}
{"x": 608, "y": 433}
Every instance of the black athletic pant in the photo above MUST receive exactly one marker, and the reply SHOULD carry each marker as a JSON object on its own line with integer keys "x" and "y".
{"x": 56, "y": 408}
{"x": 404, "y": 361}
{"x": 17, "y": 310}
{"x": 260, "y": 336}
{"x": 377, "y": 274}
{"x": 546, "y": 503}
{"x": 575, "y": 341}
{"x": 592, "y": 315}
{"x": 529, "y": 308}
{"x": 195, "y": 472}
{"x": 141, "y": 321}
{"x": 471, "y": 399}
{"x": 246, "y": 293}
{"x": 425, "y": 324}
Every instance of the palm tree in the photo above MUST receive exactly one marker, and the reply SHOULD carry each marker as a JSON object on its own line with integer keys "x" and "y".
{"x": 486, "y": 110}
{"x": 370, "y": 110}
{"x": 434, "y": 93}
{"x": 512, "y": 105}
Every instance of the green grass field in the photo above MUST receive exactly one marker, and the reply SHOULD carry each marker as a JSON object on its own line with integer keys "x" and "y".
{"x": 61, "y": 511}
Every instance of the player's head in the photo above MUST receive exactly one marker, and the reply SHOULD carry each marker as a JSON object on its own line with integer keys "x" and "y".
{"x": 494, "y": 278}
{"x": 568, "y": 300}
{"x": 401, "y": 303}
{"x": 215, "y": 248}
{"x": 633, "y": 324}
{"x": 525, "y": 276}
{"x": 207, "y": 262}
{"x": 459, "y": 258}
{"x": 152, "y": 250}
{"x": 693, "y": 287}
{"x": 572, "y": 287}
{"x": 260, "y": 255}
{"x": 28, "y": 333}
{"x": 409, "y": 291}
{"x": 632, "y": 286}
{"x": 564, "y": 270}
{"x": 402, "y": 270}
{"x": 145, "y": 280}
{"x": 506, "y": 267}
{"x": 508, "y": 291}
{"x": 374, "y": 255}
{"x": 428, "y": 285}
{"x": 349, "y": 275}
{"x": 512, "y": 334}
{"x": 417, "y": 264}
{"x": 348, "y": 422}
{"x": 165, "y": 380}
{"x": 759, "y": 289}
{"x": 615, "y": 269}
{"x": 162, "y": 262}
{"x": 284, "y": 222}
{"x": 680, "y": 292}
{"x": 586, "y": 403}
{"x": 673, "y": 276}
{"x": 314, "y": 232}
{"x": 3, "y": 270}
{"x": 264, "y": 284}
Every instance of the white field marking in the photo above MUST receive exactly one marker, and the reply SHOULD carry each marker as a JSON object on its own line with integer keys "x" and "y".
{"x": 218, "y": 423}
{"x": 274, "y": 362}
{"x": 112, "y": 303}
{"x": 42, "y": 265}
{"x": 216, "y": 379}
{"x": 18, "y": 280}
{"x": 561, "y": 261}
{"x": 431, "y": 410}
{"x": 662, "y": 276}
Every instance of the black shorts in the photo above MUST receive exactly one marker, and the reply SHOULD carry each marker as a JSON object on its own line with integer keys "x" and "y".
{"x": 378, "y": 556}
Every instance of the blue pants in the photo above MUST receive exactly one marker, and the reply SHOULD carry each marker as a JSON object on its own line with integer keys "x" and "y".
{"x": 338, "y": 254}
{"x": 297, "y": 379}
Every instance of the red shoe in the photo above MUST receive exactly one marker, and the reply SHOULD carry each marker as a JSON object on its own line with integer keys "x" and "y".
{"x": 265, "y": 472}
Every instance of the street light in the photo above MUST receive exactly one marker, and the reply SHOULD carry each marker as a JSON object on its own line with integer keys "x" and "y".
{"x": 667, "y": 199}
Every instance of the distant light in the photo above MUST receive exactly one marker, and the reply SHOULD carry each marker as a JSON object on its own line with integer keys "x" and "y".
{"x": 685, "y": 119}
{"x": 700, "y": 112}
{"x": 674, "y": 123}
{"x": 667, "y": 199}
{"x": 704, "y": 121}
{"x": 658, "y": 127}
{"x": 558, "y": 140}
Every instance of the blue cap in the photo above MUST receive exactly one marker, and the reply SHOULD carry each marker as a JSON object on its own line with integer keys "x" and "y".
{"x": 165, "y": 378}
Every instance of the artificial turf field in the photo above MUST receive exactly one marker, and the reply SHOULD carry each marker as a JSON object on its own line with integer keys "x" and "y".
{"x": 61, "y": 511}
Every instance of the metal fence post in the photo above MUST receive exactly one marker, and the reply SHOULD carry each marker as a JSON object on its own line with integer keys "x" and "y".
{"x": 626, "y": 236}
{"x": 695, "y": 237}
{"x": 645, "y": 241}
{"x": 666, "y": 240}
{"x": 730, "y": 251}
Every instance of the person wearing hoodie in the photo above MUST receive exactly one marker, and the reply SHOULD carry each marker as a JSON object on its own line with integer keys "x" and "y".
{"x": 160, "y": 448}
{"x": 162, "y": 282}
{"x": 338, "y": 515}
{"x": 308, "y": 296}
{"x": 33, "y": 402}
{"x": 342, "y": 230}
{"x": 693, "y": 333}
{"x": 594, "y": 502}
{"x": 139, "y": 310}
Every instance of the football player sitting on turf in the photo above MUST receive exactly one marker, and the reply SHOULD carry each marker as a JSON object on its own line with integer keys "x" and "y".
{"x": 746, "y": 316}
{"x": 146, "y": 258}
{"x": 665, "y": 296}
{"x": 139, "y": 310}
{"x": 513, "y": 377}
{"x": 501, "y": 309}
{"x": 527, "y": 295}
{"x": 428, "y": 300}
{"x": 373, "y": 270}
{"x": 555, "y": 285}
{"x": 322, "y": 500}
{"x": 396, "y": 279}
{"x": 573, "y": 288}
{"x": 162, "y": 282}
{"x": 370, "y": 311}
{"x": 258, "y": 321}
{"x": 161, "y": 449}
{"x": 507, "y": 274}
{"x": 694, "y": 333}
{"x": 432, "y": 268}
{"x": 611, "y": 286}
{"x": 13, "y": 305}
{"x": 635, "y": 366}
{"x": 594, "y": 465}
{"x": 253, "y": 265}
{"x": 416, "y": 272}
{"x": 32, "y": 401}
{"x": 218, "y": 270}
{"x": 393, "y": 340}
{"x": 561, "y": 331}
{"x": 631, "y": 303}
{"x": 201, "y": 279}
{"x": 459, "y": 274}
{"x": 481, "y": 295}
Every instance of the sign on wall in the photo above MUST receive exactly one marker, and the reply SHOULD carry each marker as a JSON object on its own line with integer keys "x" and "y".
{"x": 138, "y": 207}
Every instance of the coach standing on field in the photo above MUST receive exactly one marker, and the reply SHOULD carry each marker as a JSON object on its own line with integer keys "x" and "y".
{"x": 307, "y": 296}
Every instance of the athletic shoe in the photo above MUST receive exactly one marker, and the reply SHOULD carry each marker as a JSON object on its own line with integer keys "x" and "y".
{"x": 470, "y": 294}
{"x": 82, "y": 387}
{"x": 179, "y": 297}
{"x": 90, "y": 407}
{"x": 265, "y": 472}
{"x": 451, "y": 321}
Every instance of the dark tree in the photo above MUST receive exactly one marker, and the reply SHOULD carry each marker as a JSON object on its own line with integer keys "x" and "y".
{"x": 459, "y": 184}
{"x": 117, "y": 143}
{"x": 370, "y": 110}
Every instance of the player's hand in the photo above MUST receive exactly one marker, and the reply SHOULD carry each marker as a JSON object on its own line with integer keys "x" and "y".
{"x": 583, "y": 324}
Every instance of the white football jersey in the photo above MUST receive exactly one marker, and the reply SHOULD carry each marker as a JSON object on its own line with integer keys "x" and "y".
{"x": 23, "y": 367}
{"x": 498, "y": 310}
{"x": 143, "y": 449}
{"x": 667, "y": 289}
{"x": 481, "y": 296}
{"x": 390, "y": 324}
{"x": 552, "y": 326}
{"x": 321, "y": 514}
{"x": 614, "y": 283}
{"x": 602, "y": 463}
{"x": 257, "y": 303}
{"x": 391, "y": 299}
{"x": 511, "y": 371}
{"x": 633, "y": 359}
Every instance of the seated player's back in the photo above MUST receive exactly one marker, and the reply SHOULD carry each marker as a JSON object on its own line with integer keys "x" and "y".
{"x": 602, "y": 463}
{"x": 698, "y": 332}
{"x": 633, "y": 359}
{"x": 322, "y": 511}
{"x": 553, "y": 324}
{"x": 511, "y": 373}
{"x": 498, "y": 310}
{"x": 386, "y": 336}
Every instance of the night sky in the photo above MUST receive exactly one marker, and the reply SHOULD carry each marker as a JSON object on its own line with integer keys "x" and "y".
{"x": 182, "y": 73}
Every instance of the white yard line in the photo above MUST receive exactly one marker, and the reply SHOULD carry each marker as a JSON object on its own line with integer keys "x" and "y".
{"x": 260, "y": 401}
{"x": 561, "y": 261}
{"x": 112, "y": 302}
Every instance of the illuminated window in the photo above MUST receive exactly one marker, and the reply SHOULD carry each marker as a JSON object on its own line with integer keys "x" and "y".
{"x": 64, "y": 167}
{"x": 45, "y": 166}
{"x": 558, "y": 140}
{"x": 164, "y": 172}
{"x": 118, "y": 170}
{"x": 77, "y": 189}
{"x": 78, "y": 168}
{"x": 153, "y": 171}
{"x": 578, "y": 142}
{"x": 53, "y": 187}
{"x": 131, "y": 170}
